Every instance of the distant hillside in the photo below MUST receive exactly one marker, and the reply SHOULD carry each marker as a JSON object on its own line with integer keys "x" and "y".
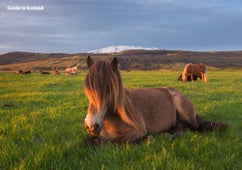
{"x": 129, "y": 60}
{"x": 22, "y": 57}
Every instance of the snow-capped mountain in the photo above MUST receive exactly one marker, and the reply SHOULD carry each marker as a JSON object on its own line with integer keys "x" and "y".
{"x": 119, "y": 48}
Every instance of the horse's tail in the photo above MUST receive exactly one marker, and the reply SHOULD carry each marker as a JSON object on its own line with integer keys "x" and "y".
{"x": 204, "y": 77}
{"x": 203, "y": 72}
{"x": 205, "y": 125}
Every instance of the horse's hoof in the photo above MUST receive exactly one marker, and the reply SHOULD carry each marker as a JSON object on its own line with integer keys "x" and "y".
{"x": 150, "y": 138}
{"x": 93, "y": 140}
{"x": 169, "y": 136}
{"x": 179, "y": 134}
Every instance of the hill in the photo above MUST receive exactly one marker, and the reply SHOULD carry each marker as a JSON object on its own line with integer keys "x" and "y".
{"x": 129, "y": 60}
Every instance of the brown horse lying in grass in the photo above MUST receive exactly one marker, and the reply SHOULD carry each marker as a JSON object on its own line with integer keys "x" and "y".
{"x": 198, "y": 70}
{"x": 122, "y": 115}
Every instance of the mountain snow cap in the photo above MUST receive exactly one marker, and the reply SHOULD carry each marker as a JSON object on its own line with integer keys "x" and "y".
{"x": 119, "y": 48}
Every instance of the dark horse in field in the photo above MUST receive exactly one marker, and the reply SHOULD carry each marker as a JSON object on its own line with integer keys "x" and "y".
{"x": 44, "y": 72}
{"x": 198, "y": 70}
{"x": 24, "y": 72}
{"x": 122, "y": 115}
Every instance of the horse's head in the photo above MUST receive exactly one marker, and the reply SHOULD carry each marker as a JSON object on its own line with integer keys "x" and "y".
{"x": 103, "y": 87}
{"x": 180, "y": 78}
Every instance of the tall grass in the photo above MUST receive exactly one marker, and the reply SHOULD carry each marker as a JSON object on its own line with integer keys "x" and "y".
{"x": 41, "y": 125}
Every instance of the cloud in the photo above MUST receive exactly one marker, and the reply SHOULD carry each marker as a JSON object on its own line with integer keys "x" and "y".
{"x": 84, "y": 25}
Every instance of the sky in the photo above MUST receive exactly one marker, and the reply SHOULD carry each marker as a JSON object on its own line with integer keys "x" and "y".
{"x": 74, "y": 26}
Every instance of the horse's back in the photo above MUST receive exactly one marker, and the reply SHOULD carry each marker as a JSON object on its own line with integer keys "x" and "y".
{"x": 203, "y": 67}
{"x": 198, "y": 68}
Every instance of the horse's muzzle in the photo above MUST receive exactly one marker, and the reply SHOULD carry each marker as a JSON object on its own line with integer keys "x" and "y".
{"x": 93, "y": 129}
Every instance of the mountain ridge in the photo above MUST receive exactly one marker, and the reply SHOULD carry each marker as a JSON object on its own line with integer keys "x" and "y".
{"x": 128, "y": 59}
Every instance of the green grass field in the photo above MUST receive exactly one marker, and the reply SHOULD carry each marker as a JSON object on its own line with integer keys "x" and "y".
{"x": 41, "y": 125}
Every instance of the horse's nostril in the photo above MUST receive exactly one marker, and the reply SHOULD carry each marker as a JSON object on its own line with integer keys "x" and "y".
{"x": 96, "y": 126}
{"x": 93, "y": 129}
{"x": 85, "y": 125}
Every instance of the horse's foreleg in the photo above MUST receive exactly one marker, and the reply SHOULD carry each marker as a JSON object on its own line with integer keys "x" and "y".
{"x": 130, "y": 135}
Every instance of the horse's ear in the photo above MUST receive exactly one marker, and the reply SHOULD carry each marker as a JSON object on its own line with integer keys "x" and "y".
{"x": 89, "y": 62}
{"x": 114, "y": 64}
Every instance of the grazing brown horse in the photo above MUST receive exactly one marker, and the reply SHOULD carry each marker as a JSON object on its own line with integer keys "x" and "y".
{"x": 122, "y": 115}
{"x": 194, "y": 70}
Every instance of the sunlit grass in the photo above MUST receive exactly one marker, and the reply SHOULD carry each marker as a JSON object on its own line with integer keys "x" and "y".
{"x": 41, "y": 124}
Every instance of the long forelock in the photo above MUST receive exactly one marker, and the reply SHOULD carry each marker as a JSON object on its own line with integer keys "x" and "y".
{"x": 103, "y": 86}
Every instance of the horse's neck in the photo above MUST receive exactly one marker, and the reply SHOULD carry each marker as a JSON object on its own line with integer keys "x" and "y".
{"x": 128, "y": 112}
{"x": 127, "y": 96}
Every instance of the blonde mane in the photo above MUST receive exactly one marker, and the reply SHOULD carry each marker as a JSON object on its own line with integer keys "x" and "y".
{"x": 185, "y": 71}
